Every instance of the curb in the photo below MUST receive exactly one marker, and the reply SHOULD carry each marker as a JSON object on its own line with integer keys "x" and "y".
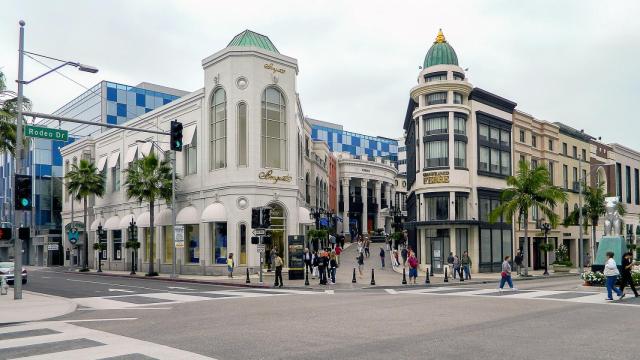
{"x": 157, "y": 278}
{"x": 70, "y": 306}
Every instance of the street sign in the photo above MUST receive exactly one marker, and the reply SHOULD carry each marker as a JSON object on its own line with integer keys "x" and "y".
{"x": 46, "y": 133}
{"x": 260, "y": 248}
{"x": 259, "y": 232}
{"x": 178, "y": 234}
{"x": 52, "y": 247}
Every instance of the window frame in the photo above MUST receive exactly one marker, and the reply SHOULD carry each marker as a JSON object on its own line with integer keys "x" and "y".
{"x": 283, "y": 124}
{"x": 214, "y": 137}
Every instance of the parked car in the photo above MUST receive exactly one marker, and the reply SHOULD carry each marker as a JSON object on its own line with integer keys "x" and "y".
{"x": 6, "y": 271}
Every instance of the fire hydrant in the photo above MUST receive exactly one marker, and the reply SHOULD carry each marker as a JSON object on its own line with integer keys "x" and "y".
{"x": 4, "y": 287}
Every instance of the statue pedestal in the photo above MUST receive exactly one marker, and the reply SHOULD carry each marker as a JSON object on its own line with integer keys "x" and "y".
{"x": 616, "y": 244}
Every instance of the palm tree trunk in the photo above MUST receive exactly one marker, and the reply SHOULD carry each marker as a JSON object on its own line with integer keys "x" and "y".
{"x": 152, "y": 258}
{"x": 525, "y": 253}
{"x": 85, "y": 261}
{"x": 593, "y": 242}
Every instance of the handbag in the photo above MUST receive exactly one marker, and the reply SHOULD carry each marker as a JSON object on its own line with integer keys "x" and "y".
{"x": 503, "y": 274}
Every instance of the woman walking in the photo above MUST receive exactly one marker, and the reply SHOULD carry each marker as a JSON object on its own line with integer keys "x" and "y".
{"x": 611, "y": 272}
{"x": 360, "y": 260}
{"x": 333, "y": 266}
{"x": 382, "y": 256}
{"x": 506, "y": 274}
{"x": 230, "y": 265}
{"x": 413, "y": 268}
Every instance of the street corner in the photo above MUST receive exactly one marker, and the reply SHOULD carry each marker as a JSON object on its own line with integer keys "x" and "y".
{"x": 33, "y": 307}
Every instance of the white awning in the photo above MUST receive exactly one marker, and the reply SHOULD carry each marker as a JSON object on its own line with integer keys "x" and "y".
{"x": 125, "y": 221}
{"x": 188, "y": 215}
{"x": 102, "y": 162}
{"x": 304, "y": 216}
{"x": 131, "y": 153}
{"x": 113, "y": 159}
{"x": 163, "y": 218}
{"x": 188, "y": 133}
{"x": 96, "y": 223}
{"x": 214, "y": 212}
{"x": 145, "y": 148}
{"x": 143, "y": 220}
{"x": 113, "y": 223}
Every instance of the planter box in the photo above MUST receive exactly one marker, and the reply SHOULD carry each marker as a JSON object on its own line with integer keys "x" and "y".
{"x": 560, "y": 268}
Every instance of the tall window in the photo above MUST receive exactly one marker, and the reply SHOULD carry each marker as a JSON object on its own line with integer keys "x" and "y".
{"x": 564, "y": 149}
{"x": 437, "y": 98}
{"x": 459, "y": 125}
{"x": 550, "y": 145}
{"x": 219, "y": 242}
{"x": 619, "y": 181}
{"x": 628, "y": 178}
{"x": 483, "y": 163}
{"x": 483, "y": 132}
{"x": 116, "y": 239}
{"x": 575, "y": 178}
{"x": 438, "y": 207}
{"x": 551, "y": 172}
{"x": 436, "y": 153}
{"x": 460, "y": 154}
{"x": 457, "y": 98}
{"x": 192, "y": 246}
{"x": 242, "y": 134}
{"x": 637, "y": 187}
{"x": 274, "y": 130}
{"x": 584, "y": 154}
{"x": 522, "y": 136}
{"x": 575, "y": 152}
{"x": 115, "y": 177}
{"x": 218, "y": 130}
{"x": 461, "y": 206}
{"x": 505, "y": 138}
{"x": 191, "y": 156}
{"x": 437, "y": 125}
{"x": 494, "y": 146}
{"x": 565, "y": 177}
{"x": 534, "y": 141}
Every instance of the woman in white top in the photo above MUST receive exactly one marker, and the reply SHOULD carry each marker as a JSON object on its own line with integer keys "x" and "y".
{"x": 611, "y": 272}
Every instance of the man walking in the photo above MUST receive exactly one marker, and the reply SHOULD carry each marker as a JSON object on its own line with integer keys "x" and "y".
{"x": 466, "y": 265}
{"x": 450, "y": 262}
{"x": 323, "y": 263}
{"x": 278, "y": 264}
{"x": 307, "y": 260}
{"x": 627, "y": 263}
{"x": 518, "y": 260}
{"x": 382, "y": 256}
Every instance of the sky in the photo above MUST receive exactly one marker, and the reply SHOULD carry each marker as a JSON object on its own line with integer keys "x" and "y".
{"x": 567, "y": 61}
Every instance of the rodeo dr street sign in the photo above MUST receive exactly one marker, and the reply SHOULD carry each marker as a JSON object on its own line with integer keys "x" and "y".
{"x": 45, "y": 133}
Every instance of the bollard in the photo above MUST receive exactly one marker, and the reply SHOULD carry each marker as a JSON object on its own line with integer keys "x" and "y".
{"x": 373, "y": 278}
{"x": 446, "y": 275}
{"x": 404, "y": 277}
{"x": 426, "y": 280}
{"x": 4, "y": 287}
{"x": 306, "y": 276}
{"x": 431, "y": 270}
{"x": 353, "y": 280}
{"x": 461, "y": 277}
{"x": 247, "y": 281}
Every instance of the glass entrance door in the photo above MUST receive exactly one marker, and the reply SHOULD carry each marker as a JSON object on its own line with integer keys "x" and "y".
{"x": 437, "y": 254}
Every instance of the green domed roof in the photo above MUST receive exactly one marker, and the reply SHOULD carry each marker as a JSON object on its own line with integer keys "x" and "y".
{"x": 440, "y": 53}
{"x": 251, "y": 38}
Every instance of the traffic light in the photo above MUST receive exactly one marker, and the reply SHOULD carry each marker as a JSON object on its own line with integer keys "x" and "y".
{"x": 24, "y": 233}
{"x": 255, "y": 240}
{"x": 5, "y": 233}
{"x": 255, "y": 218}
{"x": 266, "y": 218}
{"x": 102, "y": 235}
{"x": 133, "y": 231}
{"x": 23, "y": 192}
{"x": 176, "y": 135}
{"x": 267, "y": 240}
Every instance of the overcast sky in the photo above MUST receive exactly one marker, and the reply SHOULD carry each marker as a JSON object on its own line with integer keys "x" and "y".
{"x": 570, "y": 61}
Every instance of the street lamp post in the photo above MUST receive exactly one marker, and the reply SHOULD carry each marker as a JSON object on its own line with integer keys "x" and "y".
{"x": 17, "y": 293}
{"x": 546, "y": 227}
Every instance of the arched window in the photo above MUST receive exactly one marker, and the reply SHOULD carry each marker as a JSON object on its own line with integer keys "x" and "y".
{"x": 274, "y": 130}
{"x": 218, "y": 130}
{"x": 278, "y": 231}
{"x": 243, "y": 244}
{"x": 242, "y": 134}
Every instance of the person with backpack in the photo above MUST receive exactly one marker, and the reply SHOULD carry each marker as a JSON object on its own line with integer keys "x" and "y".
{"x": 413, "y": 268}
{"x": 382, "y": 256}
{"x": 230, "y": 265}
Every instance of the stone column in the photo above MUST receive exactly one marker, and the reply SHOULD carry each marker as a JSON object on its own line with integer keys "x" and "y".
{"x": 345, "y": 201}
{"x": 393, "y": 194}
{"x": 377, "y": 186}
{"x": 363, "y": 192}
{"x": 387, "y": 194}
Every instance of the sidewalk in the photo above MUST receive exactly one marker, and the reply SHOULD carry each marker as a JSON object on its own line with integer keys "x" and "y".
{"x": 33, "y": 307}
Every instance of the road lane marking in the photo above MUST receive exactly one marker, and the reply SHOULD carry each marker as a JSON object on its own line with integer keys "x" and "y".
{"x": 391, "y": 291}
{"x": 121, "y": 290}
{"x": 112, "y": 284}
{"x": 180, "y": 288}
{"x": 329, "y": 292}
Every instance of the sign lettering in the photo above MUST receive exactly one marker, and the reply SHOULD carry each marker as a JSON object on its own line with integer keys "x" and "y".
{"x": 45, "y": 133}
{"x": 273, "y": 68}
{"x": 268, "y": 175}
{"x": 436, "y": 177}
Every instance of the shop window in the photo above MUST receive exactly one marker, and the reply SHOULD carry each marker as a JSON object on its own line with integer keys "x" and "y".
{"x": 437, "y": 125}
{"x": 116, "y": 239}
{"x": 219, "y": 243}
{"x": 168, "y": 244}
{"x": 436, "y": 154}
{"x": 192, "y": 244}
{"x": 438, "y": 207}
{"x": 437, "y": 98}
{"x": 243, "y": 244}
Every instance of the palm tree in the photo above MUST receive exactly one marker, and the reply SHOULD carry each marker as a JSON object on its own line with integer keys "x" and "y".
{"x": 85, "y": 180}
{"x": 8, "y": 114}
{"x": 529, "y": 188}
{"x": 149, "y": 179}
{"x": 592, "y": 209}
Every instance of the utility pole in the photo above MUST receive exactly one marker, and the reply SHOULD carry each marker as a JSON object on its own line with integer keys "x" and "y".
{"x": 17, "y": 246}
{"x": 580, "y": 214}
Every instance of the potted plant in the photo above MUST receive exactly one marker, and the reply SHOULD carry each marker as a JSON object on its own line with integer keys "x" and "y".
{"x": 562, "y": 263}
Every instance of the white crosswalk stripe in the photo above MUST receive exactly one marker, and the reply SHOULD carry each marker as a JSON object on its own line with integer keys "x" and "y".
{"x": 66, "y": 336}
{"x": 585, "y": 297}
{"x": 162, "y": 299}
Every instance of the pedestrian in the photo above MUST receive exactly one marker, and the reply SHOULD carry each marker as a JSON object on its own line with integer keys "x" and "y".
{"x": 611, "y": 272}
{"x": 333, "y": 266}
{"x": 230, "y": 265}
{"x": 450, "y": 262}
{"x": 360, "y": 245}
{"x": 323, "y": 263}
{"x": 505, "y": 275}
{"x": 367, "y": 242}
{"x": 387, "y": 241}
{"x": 272, "y": 256}
{"x": 360, "y": 260}
{"x": 456, "y": 266}
{"x": 465, "y": 262}
{"x": 413, "y": 268}
{"x": 338, "y": 252}
{"x": 518, "y": 260}
{"x": 587, "y": 260}
{"x": 627, "y": 264}
{"x": 278, "y": 264}
{"x": 382, "y": 256}
{"x": 404, "y": 254}
{"x": 307, "y": 257}
{"x": 314, "y": 263}
{"x": 396, "y": 262}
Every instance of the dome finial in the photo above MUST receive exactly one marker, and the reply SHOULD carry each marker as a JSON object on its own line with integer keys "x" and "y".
{"x": 440, "y": 37}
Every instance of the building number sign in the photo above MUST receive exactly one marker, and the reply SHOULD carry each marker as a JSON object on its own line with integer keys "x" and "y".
{"x": 436, "y": 177}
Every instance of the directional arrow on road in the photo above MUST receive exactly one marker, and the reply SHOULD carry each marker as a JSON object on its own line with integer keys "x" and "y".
{"x": 179, "y": 288}
{"x": 120, "y": 290}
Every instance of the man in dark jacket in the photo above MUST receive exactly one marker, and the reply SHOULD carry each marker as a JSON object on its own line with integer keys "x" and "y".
{"x": 323, "y": 264}
{"x": 518, "y": 260}
{"x": 404, "y": 254}
{"x": 627, "y": 264}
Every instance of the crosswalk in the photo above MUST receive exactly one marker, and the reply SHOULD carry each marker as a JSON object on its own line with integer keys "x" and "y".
{"x": 160, "y": 300}
{"x": 60, "y": 340}
{"x": 584, "y": 297}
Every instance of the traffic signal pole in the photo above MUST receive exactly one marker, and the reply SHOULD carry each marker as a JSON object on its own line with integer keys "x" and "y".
{"x": 173, "y": 212}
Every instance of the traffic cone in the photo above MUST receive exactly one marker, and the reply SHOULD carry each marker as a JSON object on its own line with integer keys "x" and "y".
{"x": 404, "y": 277}
{"x": 446, "y": 275}
{"x": 426, "y": 280}
{"x": 373, "y": 278}
{"x": 353, "y": 280}
{"x": 247, "y": 281}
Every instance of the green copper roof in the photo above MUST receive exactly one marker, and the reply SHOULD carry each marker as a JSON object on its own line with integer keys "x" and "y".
{"x": 250, "y": 38}
{"x": 440, "y": 53}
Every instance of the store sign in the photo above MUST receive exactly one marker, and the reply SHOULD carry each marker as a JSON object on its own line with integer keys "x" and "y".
{"x": 52, "y": 247}
{"x": 436, "y": 177}
{"x": 273, "y": 68}
{"x": 365, "y": 170}
{"x": 178, "y": 236}
{"x": 268, "y": 175}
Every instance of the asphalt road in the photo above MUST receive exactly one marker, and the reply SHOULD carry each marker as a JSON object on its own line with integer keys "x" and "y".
{"x": 401, "y": 323}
